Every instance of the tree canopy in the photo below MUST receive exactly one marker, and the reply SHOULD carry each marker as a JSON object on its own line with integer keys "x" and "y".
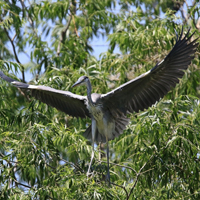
{"x": 43, "y": 154}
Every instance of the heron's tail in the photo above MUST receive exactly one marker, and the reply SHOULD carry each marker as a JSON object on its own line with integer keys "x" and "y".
{"x": 98, "y": 137}
{"x": 120, "y": 125}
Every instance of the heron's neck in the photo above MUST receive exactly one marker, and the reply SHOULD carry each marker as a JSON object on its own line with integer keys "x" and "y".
{"x": 89, "y": 90}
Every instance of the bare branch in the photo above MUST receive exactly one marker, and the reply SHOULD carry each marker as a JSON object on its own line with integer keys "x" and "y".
{"x": 184, "y": 15}
{"x": 22, "y": 3}
{"x": 27, "y": 186}
{"x": 121, "y": 166}
{"x": 72, "y": 164}
{"x": 183, "y": 12}
{"x": 62, "y": 35}
{"x": 25, "y": 95}
{"x": 186, "y": 3}
{"x": 198, "y": 25}
{"x": 50, "y": 166}
{"x": 14, "y": 37}
{"x": 137, "y": 177}
{"x": 29, "y": 18}
{"x": 121, "y": 187}
{"x": 12, "y": 171}
{"x": 2, "y": 155}
{"x": 75, "y": 26}
{"x": 15, "y": 53}
{"x": 66, "y": 28}
{"x": 13, "y": 46}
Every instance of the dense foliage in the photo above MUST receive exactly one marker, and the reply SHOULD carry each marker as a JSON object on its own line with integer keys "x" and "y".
{"x": 43, "y": 154}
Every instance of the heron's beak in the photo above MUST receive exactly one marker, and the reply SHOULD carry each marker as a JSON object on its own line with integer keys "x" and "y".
{"x": 76, "y": 84}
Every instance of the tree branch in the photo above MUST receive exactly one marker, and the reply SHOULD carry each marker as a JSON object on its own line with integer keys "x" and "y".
{"x": 15, "y": 53}
{"x": 137, "y": 177}
{"x": 12, "y": 171}
{"x": 62, "y": 35}
{"x": 70, "y": 163}
{"x": 183, "y": 13}
{"x": 75, "y": 26}
{"x": 197, "y": 24}
{"x": 121, "y": 187}
{"x": 121, "y": 166}
{"x": 27, "y": 186}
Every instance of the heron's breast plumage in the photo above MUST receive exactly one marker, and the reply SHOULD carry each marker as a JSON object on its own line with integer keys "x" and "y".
{"x": 105, "y": 124}
{"x": 95, "y": 111}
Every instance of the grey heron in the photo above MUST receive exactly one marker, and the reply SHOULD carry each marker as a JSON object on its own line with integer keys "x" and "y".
{"x": 108, "y": 111}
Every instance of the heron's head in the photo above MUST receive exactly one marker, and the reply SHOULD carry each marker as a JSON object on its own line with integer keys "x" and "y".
{"x": 81, "y": 81}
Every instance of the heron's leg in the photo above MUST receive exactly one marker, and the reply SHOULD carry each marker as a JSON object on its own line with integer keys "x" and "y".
{"x": 93, "y": 136}
{"x": 108, "y": 170}
{"x": 92, "y": 157}
{"x": 99, "y": 151}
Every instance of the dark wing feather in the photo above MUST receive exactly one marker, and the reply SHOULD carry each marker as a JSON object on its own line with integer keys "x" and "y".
{"x": 145, "y": 90}
{"x": 64, "y": 101}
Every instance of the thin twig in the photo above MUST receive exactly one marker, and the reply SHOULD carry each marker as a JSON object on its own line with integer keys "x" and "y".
{"x": 120, "y": 187}
{"x": 121, "y": 166}
{"x": 15, "y": 53}
{"x": 27, "y": 186}
{"x": 70, "y": 163}
{"x": 62, "y": 35}
{"x": 197, "y": 25}
{"x": 13, "y": 170}
{"x": 137, "y": 177}
{"x": 23, "y": 94}
{"x": 66, "y": 28}
{"x": 22, "y": 3}
{"x": 75, "y": 26}
{"x": 50, "y": 166}
{"x": 17, "y": 59}
{"x": 184, "y": 15}
{"x": 13, "y": 46}
{"x": 51, "y": 197}
{"x": 31, "y": 22}
{"x": 14, "y": 37}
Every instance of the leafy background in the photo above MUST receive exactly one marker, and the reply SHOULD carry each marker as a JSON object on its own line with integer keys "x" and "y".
{"x": 43, "y": 154}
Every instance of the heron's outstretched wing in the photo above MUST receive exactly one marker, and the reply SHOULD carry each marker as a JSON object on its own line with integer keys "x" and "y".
{"x": 145, "y": 90}
{"x": 65, "y": 101}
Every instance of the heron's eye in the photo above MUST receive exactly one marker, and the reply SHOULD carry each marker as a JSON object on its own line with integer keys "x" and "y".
{"x": 85, "y": 78}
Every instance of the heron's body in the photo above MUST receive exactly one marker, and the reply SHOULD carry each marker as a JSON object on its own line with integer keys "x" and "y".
{"x": 98, "y": 115}
{"x": 108, "y": 111}
{"x": 105, "y": 120}
{"x": 103, "y": 123}
{"x": 95, "y": 108}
